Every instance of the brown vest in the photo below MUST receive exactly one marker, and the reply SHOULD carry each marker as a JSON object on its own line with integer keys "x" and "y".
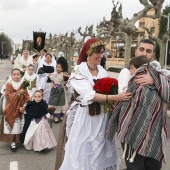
{"x": 94, "y": 108}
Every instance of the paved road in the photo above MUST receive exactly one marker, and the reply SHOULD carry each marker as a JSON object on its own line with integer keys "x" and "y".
{"x": 26, "y": 160}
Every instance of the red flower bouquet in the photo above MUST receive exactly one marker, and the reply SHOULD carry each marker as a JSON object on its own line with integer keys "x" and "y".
{"x": 106, "y": 86}
{"x": 51, "y": 111}
{"x": 66, "y": 77}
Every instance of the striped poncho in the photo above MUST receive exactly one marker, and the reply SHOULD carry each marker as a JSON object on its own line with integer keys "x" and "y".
{"x": 141, "y": 121}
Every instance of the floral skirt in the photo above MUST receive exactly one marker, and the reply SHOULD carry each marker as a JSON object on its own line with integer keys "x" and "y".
{"x": 39, "y": 136}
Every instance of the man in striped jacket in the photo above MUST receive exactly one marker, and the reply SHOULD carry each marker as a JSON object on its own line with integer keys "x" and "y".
{"x": 142, "y": 131}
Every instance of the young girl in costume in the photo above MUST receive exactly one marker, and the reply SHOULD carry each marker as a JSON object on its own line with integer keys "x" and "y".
{"x": 12, "y": 121}
{"x": 31, "y": 78}
{"x": 58, "y": 95}
{"x": 39, "y": 135}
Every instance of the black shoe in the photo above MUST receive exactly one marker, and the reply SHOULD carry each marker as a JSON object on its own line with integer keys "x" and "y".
{"x": 13, "y": 147}
{"x": 45, "y": 150}
{"x": 58, "y": 121}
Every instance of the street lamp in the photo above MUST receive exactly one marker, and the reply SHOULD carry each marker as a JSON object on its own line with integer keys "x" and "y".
{"x": 2, "y": 46}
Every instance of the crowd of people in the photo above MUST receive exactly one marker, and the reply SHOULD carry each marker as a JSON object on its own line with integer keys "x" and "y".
{"x": 87, "y": 135}
{"x": 86, "y": 139}
{"x": 27, "y": 97}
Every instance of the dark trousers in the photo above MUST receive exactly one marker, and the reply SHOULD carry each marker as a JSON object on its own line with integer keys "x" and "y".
{"x": 142, "y": 163}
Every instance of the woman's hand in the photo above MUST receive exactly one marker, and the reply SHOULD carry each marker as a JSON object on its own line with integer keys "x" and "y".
{"x": 144, "y": 79}
{"x": 21, "y": 91}
{"x": 66, "y": 88}
{"x": 123, "y": 96}
{"x": 22, "y": 109}
{"x": 52, "y": 85}
{"x": 51, "y": 117}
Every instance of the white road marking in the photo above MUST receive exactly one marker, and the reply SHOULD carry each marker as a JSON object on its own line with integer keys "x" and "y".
{"x": 14, "y": 165}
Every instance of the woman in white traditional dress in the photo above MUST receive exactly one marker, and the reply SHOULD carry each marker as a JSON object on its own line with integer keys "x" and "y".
{"x": 22, "y": 62}
{"x": 44, "y": 71}
{"x": 87, "y": 148}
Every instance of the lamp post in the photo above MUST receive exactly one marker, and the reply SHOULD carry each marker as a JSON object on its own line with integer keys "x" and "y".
{"x": 2, "y": 46}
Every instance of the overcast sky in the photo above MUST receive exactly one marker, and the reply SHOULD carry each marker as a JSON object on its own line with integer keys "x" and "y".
{"x": 19, "y": 18}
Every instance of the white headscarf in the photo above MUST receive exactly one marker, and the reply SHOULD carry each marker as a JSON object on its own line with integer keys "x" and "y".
{"x": 60, "y": 54}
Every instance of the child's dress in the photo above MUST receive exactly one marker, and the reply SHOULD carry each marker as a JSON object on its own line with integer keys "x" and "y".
{"x": 32, "y": 81}
{"x": 58, "y": 95}
{"x": 13, "y": 120}
{"x": 39, "y": 135}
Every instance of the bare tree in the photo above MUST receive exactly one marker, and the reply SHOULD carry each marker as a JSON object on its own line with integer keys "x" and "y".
{"x": 161, "y": 43}
{"x": 88, "y": 32}
{"x": 128, "y": 25}
{"x": 70, "y": 41}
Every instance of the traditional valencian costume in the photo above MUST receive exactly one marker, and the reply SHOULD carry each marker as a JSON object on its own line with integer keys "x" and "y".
{"x": 44, "y": 81}
{"x": 87, "y": 147}
{"x": 21, "y": 63}
{"x": 58, "y": 97}
{"x": 31, "y": 79}
{"x": 13, "y": 120}
{"x": 37, "y": 134}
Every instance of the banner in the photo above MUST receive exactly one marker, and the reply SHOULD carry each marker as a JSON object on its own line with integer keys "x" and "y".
{"x": 39, "y": 40}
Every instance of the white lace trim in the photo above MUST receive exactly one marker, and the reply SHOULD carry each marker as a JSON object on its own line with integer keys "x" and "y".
{"x": 61, "y": 109}
{"x": 16, "y": 85}
{"x": 30, "y": 77}
{"x": 70, "y": 118}
{"x": 114, "y": 167}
